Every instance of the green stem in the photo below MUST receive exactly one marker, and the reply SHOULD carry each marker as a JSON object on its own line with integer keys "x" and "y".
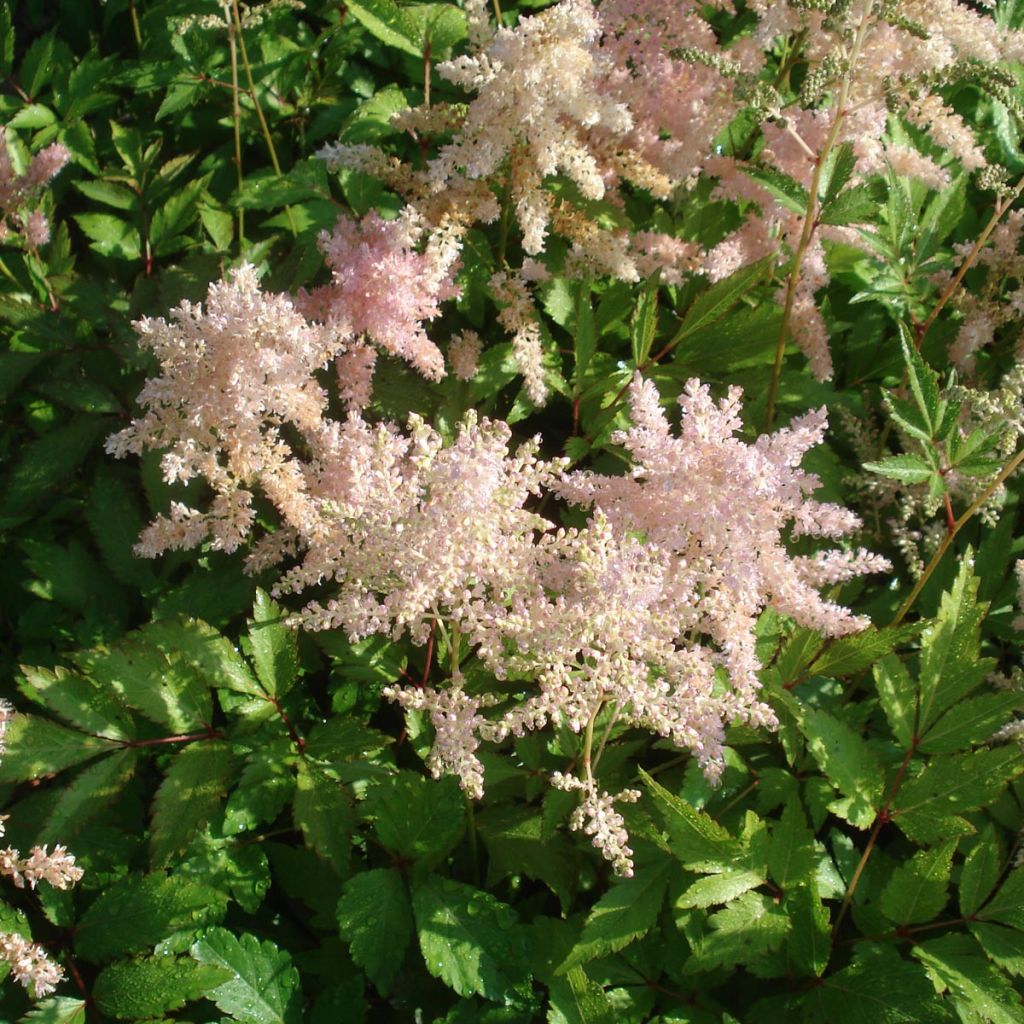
{"x": 236, "y": 117}
{"x": 953, "y": 530}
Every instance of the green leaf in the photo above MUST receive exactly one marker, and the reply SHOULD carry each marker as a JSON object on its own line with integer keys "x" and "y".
{"x": 193, "y": 789}
{"x": 897, "y": 692}
{"x": 38, "y": 747}
{"x": 837, "y": 171}
{"x": 856, "y": 205}
{"x": 782, "y": 188}
{"x": 375, "y": 918}
{"x": 696, "y": 839}
{"x": 323, "y": 810}
{"x": 49, "y": 463}
{"x": 950, "y": 668}
{"x": 79, "y": 701}
{"x": 879, "y": 987}
{"x": 1004, "y": 946}
{"x": 110, "y": 235}
{"x": 744, "y": 931}
{"x": 175, "y": 216}
{"x": 715, "y": 889}
{"x": 57, "y": 1010}
{"x": 923, "y": 385}
{"x": 575, "y": 999}
{"x": 908, "y": 469}
{"x": 792, "y": 856}
{"x": 644, "y": 324}
{"x": 848, "y": 762}
{"x": 919, "y": 888}
{"x": 390, "y": 24}
{"x": 265, "y": 787}
{"x": 1007, "y": 906}
{"x": 131, "y": 989}
{"x": 584, "y": 332}
{"x": 137, "y": 912}
{"x": 167, "y": 691}
{"x": 471, "y": 941}
{"x": 416, "y": 818}
{"x": 91, "y": 791}
{"x": 981, "y": 993}
{"x": 626, "y": 911}
{"x": 809, "y": 947}
{"x": 971, "y": 721}
{"x": 982, "y": 868}
{"x": 264, "y": 986}
{"x": 927, "y": 806}
{"x": 116, "y": 521}
{"x": 858, "y": 651}
{"x": 208, "y": 652}
{"x": 274, "y": 646}
{"x": 710, "y": 306}
{"x": 339, "y": 741}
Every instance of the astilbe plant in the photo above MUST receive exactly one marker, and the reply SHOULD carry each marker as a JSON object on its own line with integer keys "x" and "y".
{"x": 647, "y": 611}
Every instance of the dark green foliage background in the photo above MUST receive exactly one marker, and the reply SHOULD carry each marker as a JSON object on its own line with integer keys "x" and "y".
{"x": 260, "y": 840}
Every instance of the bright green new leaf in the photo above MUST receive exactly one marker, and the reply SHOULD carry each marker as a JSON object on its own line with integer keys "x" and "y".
{"x": 37, "y": 747}
{"x": 715, "y": 889}
{"x": 981, "y": 993}
{"x": 274, "y": 646}
{"x": 391, "y": 24}
{"x": 848, "y": 762}
{"x": 908, "y": 469}
{"x": 629, "y": 909}
{"x": 575, "y": 999}
{"x": 375, "y": 918}
{"x": 747, "y": 929}
{"x": 471, "y": 941}
{"x": 263, "y": 987}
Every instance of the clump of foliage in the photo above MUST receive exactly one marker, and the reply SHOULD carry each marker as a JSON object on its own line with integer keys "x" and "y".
{"x": 420, "y": 656}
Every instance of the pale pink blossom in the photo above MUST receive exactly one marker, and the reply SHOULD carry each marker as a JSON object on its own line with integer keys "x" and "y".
{"x": 30, "y": 964}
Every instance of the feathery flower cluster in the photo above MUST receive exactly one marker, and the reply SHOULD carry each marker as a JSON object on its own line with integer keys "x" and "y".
{"x": 29, "y": 963}
{"x": 19, "y": 191}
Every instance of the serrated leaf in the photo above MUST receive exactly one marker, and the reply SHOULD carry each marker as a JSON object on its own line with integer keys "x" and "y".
{"x": 847, "y": 761}
{"x": 714, "y": 889}
{"x": 390, "y": 24}
{"x": 982, "y": 868}
{"x": 471, "y": 941}
{"x": 274, "y": 646}
{"x": 340, "y": 740}
{"x": 137, "y": 912}
{"x": 809, "y": 947}
{"x": 696, "y": 839}
{"x": 837, "y": 171}
{"x": 167, "y": 691}
{"x": 375, "y": 918}
{"x": 744, "y": 931}
{"x": 416, "y": 818}
{"x": 116, "y": 521}
{"x": 782, "y": 188}
{"x": 56, "y": 1010}
{"x": 858, "y": 651}
{"x": 950, "y": 668}
{"x": 584, "y": 332}
{"x": 1007, "y": 906}
{"x": 324, "y": 812}
{"x": 265, "y": 787}
{"x": 879, "y": 987}
{"x": 194, "y": 787}
{"x": 644, "y": 323}
{"x": 918, "y": 889}
{"x": 927, "y": 806}
{"x": 792, "y": 856}
{"x": 576, "y": 999}
{"x": 908, "y": 469}
{"x": 132, "y": 989}
{"x": 971, "y": 721}
{"x": 625, "y": 912}
{"x": 923, "y": 385}
{"x": 80, "y": 702}
{"x": 38, "y": 747}
{"x": 207, "y": 651}
{"x": 897, "y": 692}
{"x": 1004, "y": 946}
{"x": 90, "y": 792}
{"x": 712, "y": 305}
{"x": 110, "y": 235}
{"x": 981, "y": 993}
{"x": 264, "y": 987}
